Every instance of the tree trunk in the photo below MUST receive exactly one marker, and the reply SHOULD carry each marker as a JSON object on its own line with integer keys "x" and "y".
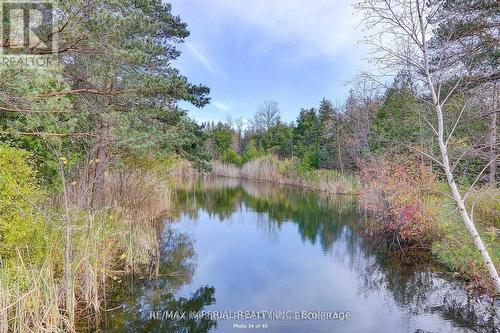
{"x": 102, "y": 155}
{"x": 340, "y": 152}
{"x": 493, "y": 137}
{"x": 469, "y": 224}
{"x": 459, "y": 200}
{"x": 457, "y": 197}
{"x": 102, "y": 152}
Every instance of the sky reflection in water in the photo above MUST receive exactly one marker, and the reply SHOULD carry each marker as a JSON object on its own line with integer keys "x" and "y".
{"x": 252, "y": 246}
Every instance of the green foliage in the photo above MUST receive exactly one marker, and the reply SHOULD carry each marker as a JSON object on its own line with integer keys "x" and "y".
{"x": 141, "y": 40}
{"x": 465, "y": 138}
{"x": 330, "y": 132}
{"x": 178, "y": 135}
{"x": 52, "y": 115}
{"x": 466, "y": 26}
{"x": 251, "y": 152}
{"x": 22, "y": 225}
{"x": 309, "y": 161}
{"x": 222, "y": 136}
{"x": 278, "y": 139}
{"x": 120, "y": 74}
{"x": 231, "y": 157}
{"x": 396, "y": 122}
{"x": 307, "y": 132}
{"x": 486, "y": 203}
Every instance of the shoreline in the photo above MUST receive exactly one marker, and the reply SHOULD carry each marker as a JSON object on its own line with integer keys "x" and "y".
{"x": 450, "y": 265}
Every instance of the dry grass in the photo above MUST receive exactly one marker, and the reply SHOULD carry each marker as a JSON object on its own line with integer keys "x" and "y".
{"x": 182, "y": 169}
{"x": 30, "y": 299}
{"x": 485, "y": 204}
{"x": 123, "y": 238}
{"x": 266, "y": 168}
{"x": 225, "y": 170}
{"x": 107, "y": 244}
{"x": 270, "y": 169}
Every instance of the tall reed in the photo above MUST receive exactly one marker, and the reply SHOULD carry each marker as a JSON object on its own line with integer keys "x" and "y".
{"x": 30, "y": 299}
{"x": 271, "y": 169}
{"x": 122, "y": 237}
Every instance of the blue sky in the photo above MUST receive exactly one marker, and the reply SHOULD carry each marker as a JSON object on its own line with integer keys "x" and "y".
{"x": 293, "y": 51}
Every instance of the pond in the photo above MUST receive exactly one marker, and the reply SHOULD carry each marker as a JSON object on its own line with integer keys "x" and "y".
{"x": 255, "y": 257}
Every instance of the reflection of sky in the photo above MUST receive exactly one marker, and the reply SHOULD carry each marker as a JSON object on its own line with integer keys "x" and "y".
{"x": 256, "y": 267}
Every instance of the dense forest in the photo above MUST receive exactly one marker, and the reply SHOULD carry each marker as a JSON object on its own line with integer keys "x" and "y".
{"x": 88, "y": 147}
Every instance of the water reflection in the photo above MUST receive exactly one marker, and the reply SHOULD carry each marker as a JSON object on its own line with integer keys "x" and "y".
{"x": 319, "y": 218}
{"x": 423, "y": 288}
{"x": 141, "y": 303}
{"x": 259, "y": 246}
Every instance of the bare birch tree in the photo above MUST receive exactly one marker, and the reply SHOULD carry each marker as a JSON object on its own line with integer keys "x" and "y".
{"x": 402, "y": 30}
{"x": 268, "y": 115}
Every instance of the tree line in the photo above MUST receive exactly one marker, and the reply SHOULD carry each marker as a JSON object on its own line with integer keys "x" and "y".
{"x": 373, "y": 120}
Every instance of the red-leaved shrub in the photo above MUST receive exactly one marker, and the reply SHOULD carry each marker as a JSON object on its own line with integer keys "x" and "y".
{"x": 398, "y": 194}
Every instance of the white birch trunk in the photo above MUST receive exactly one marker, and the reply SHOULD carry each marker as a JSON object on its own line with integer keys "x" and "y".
{"x": 457, "y": 197}
{"x": 493, "y": 136}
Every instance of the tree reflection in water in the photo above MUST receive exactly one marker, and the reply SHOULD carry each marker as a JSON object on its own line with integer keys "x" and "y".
{"x": 318, "y": 218}
{"x": 134, "y": 301}
{"x": 419, "y": 287}
{"x": 423, "y": 288}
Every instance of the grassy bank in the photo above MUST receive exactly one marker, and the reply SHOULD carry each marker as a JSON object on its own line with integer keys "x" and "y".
{"x": 456, "y": 249}
{"x": 289, "y": 172}
{"x": 42, "y": 289}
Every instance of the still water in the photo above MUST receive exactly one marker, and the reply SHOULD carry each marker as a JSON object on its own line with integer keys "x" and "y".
{"x": 248, "y": 246}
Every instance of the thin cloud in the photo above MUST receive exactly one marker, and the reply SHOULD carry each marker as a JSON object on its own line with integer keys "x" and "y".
{"x": 298, "y": 51}
{"x": 320, "y": 28}
{"x": 204, "y": 59}
{"x": 221, "y": 106}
